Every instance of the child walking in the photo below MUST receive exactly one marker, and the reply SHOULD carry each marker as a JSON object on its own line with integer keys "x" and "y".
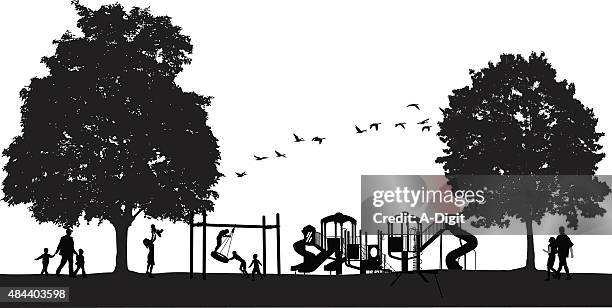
{"x": 255, "y": 264}
{"x": 552, "y": 252}
{"x": 80, "y": 264}
{"x": 45, "y": 261}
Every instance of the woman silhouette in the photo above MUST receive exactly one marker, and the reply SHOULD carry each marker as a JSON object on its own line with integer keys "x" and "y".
{"x": 149, "y": 243}
{"x": 552, "y": 252}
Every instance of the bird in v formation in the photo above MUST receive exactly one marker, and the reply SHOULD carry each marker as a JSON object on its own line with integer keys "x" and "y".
{"x": 319, "y": 140}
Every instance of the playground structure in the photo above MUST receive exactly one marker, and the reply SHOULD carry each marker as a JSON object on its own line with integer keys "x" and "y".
{"x": 416, "y": 239}
{"x": 347, "y": 247}
{"x": 343, "y": 248}
{"x": 219, "y": 256}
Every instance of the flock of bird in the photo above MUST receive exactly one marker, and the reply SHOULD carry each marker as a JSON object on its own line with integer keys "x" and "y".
{"x": 373, "y": 126}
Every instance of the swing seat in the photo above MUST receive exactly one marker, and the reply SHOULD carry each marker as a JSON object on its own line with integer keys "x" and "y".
{"x": 219, "y": 257}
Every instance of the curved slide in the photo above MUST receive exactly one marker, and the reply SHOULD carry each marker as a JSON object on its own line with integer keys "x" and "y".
{"x": 311, "y": 261}
{"x": 470, "y": 244}
{"x": 334, "y": 264}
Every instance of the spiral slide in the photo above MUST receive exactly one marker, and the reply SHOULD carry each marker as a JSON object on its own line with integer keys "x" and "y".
{"x": 470, "y": 244}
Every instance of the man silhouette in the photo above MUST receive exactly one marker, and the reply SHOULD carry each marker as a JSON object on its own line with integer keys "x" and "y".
{"x": 66, "y": 249}
{"x": 564, "y": 247}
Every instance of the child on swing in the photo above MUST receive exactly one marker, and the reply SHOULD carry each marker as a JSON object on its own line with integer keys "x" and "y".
{"x": 222, "y": 234}
{"x": 223, "y": 238}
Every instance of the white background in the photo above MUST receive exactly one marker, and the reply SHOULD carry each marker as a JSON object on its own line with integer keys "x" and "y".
{"x": 316, "y": 68}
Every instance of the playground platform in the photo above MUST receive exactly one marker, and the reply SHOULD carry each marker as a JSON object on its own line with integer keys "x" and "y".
{"x": 468, "y": 288}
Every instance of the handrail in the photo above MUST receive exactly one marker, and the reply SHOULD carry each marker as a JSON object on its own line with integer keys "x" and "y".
{"x": 429, "y": 234}
{"x": 386, "y": 264}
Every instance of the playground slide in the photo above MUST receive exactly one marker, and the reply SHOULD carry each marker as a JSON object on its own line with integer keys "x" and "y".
{"x": 311, "y": 261}
{"x": 333, "y": 265}
{"x": 470, "y": 244}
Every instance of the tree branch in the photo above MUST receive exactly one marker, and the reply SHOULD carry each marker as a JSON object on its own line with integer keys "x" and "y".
{"x": 138, "y": 212}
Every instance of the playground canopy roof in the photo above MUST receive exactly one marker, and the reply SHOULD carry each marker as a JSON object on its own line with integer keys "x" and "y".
{"x": 339, "y": 218}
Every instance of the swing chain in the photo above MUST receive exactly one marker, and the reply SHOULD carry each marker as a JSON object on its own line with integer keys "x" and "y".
{"x": 225, "y": 243}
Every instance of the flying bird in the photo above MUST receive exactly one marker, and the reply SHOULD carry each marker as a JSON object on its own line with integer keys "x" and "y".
{"x": 297, "y": 139}
{"x": 401, "y": 124}
{"x": 424, "y": 121}
{"x": 359, "y": 130}
{"x": 375, "y": 126}
{"x": 414, "y": 105}
{"x": 318, "y": 139}
{"x": 241, "y": 174}
{"x": 426, "y": 127}
{"x": 260, "y": 158}
{"x": 278, "y": 154}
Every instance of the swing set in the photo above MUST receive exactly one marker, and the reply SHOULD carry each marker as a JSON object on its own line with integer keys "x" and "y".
{"x": 221, "y": 254}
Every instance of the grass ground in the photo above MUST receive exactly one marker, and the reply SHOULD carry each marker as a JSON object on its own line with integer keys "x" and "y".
{"x": 469, "y": 288}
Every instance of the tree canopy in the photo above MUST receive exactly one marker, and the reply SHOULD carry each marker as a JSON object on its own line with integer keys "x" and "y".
{"x": 517, "y": 120}
{"x": 108, "y": 133}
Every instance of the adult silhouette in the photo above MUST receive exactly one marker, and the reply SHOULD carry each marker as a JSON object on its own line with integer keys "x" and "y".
{"x": 552, "y": 254}
{"x": 66, "y": 250}
{"x": 150, "y": 244}
{"x": 564, "y": 248}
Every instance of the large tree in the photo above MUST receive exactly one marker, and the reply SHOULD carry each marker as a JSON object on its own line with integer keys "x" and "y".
{"x": 108, "y": 134}
{"x": 517, "y": 119}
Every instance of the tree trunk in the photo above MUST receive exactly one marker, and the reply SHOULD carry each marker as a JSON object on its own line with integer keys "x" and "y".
{"x": 121, "y": 234}
{"x": 530, "y": 261}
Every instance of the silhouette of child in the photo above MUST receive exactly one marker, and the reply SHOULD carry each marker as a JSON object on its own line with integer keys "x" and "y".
{"x": 255, "y": 264}
{"x": 80, "y": 264}
{"x": 150, "y": 256}
{"x": 155, "y": 231}
{"x": 242, "y": 267}
{"x": 552, "y": 252}
{"x": 45, "y": 261}
{"x": 223, "y": 233}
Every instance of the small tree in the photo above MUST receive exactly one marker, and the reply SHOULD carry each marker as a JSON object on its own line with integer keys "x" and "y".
{"x": 108, "y": 134}
{"x": 517, "y": 119}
